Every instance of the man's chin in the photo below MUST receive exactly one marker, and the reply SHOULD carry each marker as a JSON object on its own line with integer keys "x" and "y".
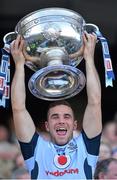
{"x": 61, "y": 142}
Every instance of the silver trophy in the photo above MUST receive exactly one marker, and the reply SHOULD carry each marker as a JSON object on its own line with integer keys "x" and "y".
{"x": 53, "y": 50}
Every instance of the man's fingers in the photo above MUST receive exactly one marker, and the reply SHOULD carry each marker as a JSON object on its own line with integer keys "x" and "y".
{"x": 12, "y": 44}
{"x": 85, "y": 38}
{"x": 21, "y": 45}
{"x": 18, "y": 43}
{"x": 89, "y": 37}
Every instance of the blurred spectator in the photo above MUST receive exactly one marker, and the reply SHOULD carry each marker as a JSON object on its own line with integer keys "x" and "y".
{"x": 10, "y": 158}
{"x": 19, "y": 160}
{"x": 20, "y": 173}
{"x": 105, "y": 151}
{"x": 6, "y": 167}
{"x": 114, "y": 153}
{"x": 109, "y": 134}
{"x": 8, "y": 150}
{"x": 106, "y": 169}
{"x": 8, "y": 153}
{"x": 4, "y": 134}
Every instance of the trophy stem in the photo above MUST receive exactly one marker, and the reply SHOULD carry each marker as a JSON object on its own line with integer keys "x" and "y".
{"x": 55, "y": 62}
{"x": 54, "y": 56}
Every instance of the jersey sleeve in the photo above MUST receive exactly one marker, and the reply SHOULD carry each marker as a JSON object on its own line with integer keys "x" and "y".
{"x": 27, "y": 149}
{"x": 92, "y": 144}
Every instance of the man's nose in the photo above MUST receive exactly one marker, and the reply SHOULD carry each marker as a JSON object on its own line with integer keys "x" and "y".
{"x": 61, "y": 120}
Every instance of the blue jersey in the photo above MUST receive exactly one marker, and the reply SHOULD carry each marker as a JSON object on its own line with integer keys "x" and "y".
{"x": 76, "y": 160}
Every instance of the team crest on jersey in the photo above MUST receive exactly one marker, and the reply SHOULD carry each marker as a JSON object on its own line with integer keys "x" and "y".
{"x": 62, "y": 161}
{"x": 72, "y": 146}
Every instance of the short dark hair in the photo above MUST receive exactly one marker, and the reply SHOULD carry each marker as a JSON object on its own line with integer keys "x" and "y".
{"x": 61, "y": 102}
{"x": 57, "y": 103}
{"x": 102, "y": 166}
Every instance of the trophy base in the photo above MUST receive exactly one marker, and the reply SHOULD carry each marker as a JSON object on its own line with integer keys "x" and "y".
{"x": 56, "y": 82}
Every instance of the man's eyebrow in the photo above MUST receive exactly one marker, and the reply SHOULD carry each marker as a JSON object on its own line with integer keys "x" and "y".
{"x": 67, "y": 114}
{"x": 54, "y": 114}
{"x": 57, "y": 114}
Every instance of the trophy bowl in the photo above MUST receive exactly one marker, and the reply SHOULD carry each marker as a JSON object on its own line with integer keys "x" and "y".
{"x": 53, "y": 49}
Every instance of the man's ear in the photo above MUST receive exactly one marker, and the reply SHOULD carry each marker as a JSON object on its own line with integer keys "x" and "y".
{"x": 75, "y": 125}
{"x": 47, "y": 126}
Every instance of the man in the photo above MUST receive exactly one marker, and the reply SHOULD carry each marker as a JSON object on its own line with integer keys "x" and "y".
{"x": 106, "y": 169}
{"x": 61, "y": 157}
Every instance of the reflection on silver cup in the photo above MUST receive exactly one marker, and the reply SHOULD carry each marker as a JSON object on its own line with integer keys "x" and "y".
{"x": 53, "y": 49}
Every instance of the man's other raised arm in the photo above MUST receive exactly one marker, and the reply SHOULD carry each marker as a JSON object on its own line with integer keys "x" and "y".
{"x": 24, "y": 125}
{"x": 92, "y": 121}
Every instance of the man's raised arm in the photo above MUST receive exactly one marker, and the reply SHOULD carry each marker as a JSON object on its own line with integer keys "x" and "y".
{"x": 92, "y": 122}
{"x": 24, "y": 125}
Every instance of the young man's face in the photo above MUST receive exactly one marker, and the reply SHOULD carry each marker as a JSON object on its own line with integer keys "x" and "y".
{"x": 61, "y": 124}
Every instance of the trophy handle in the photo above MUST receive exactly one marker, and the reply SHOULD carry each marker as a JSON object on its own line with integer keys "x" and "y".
{"x": 91, "y": 28}
{"x": 109, "y": 74}
{"x": 9, "y": 37}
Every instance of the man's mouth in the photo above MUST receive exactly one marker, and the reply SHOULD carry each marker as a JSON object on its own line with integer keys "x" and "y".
{"x": 61, "y": 131}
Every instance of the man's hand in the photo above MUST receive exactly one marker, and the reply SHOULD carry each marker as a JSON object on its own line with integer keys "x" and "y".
{"x": 17, "y": 50}
{"x": 89, "y": 45}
